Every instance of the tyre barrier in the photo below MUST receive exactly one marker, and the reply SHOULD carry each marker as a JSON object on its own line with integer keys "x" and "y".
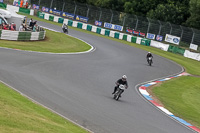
{"x": 22, "y": 35}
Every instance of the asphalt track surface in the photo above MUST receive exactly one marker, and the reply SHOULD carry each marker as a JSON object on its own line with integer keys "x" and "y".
{"x": 79, "y": 86}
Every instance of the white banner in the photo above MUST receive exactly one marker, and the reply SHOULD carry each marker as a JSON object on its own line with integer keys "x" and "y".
{"x": 193, "y": 46}
{"x": 192, "y": 55}
{"x": 159, "y": 45}
{"x": 172, "y": 39}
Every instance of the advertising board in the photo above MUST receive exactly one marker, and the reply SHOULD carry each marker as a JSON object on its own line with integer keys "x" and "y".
{"x": 98, "y": 23}
{"x": 81, "y": 19}
{"x": 113, "y": 26}
{"x": 172, "y": 39}
{"x": 151, "y": 36}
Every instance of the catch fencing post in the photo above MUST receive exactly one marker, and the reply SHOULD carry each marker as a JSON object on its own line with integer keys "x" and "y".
{"x": 192, "y": 35}
{"x": 63, "y": 7}
{"x": 160, "y": 27}
{"x": 51, "y": 3}
{"x": 100, "y": 14}
{"x": 111, "y": 16}
{"x": 87, "y": 10}
{"x": 148, "y": 25}
{"x": 171, "y": 28}
{"x": 136, "y": 22}
{"x": 124, "y": 20}
{"x": 75, "y": 8}
{"x": 181, "y": 32}
{"x": 39, "y": 2}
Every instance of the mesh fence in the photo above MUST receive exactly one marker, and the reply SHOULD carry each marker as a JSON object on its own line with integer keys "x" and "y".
{"x": 142, "y": 24}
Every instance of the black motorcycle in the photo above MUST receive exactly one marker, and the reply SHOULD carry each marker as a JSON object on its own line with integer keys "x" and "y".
{"x": 119, "y": 91}
{"x": 149, "y": 60}
{"x": 65, "y": 30}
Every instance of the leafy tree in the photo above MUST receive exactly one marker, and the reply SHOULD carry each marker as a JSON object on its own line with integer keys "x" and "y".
{"x": 194, "y": 19}
{"x": 168, "y": 12}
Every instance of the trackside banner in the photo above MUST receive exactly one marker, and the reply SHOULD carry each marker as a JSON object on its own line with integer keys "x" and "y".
{"x": 45, "y": 9}
{"x": 172, "y": 39}
{"x": 113, "y": 26}
{"x": 68, "y": 15}
{"x": 98, "y": 23}
{"x": 81, "y": 19}
{"x": 151, "y": 36}
{"x": 55, "y": 12}
{"x": 36, "y": 6}
{"x": 159, "y": 38}
{"x": 193, "y": 46}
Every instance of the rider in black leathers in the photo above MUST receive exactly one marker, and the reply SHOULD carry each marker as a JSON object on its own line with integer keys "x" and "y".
{"x": 65, "y": 26}
{"x": 122, "y": 81}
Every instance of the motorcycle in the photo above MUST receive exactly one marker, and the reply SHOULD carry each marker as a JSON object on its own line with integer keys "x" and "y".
{"x": 149, "y": 61}
{"x": 65, "y": 30}
{"x": 119, "y": 91}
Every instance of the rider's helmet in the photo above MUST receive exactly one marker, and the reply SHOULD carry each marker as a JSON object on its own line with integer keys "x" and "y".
{"x": 149, "y": 52}
{"x": 124, "y": 77}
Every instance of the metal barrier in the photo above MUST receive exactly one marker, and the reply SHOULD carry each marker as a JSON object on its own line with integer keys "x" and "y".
{"x": 143, "y": 24}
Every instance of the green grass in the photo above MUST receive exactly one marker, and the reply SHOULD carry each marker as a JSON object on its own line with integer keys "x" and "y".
{"x": 54, "y": 42}
{"x": 20, "y": 115}
{"x": 181, "y": 97}
{"x": 191, "y": 66}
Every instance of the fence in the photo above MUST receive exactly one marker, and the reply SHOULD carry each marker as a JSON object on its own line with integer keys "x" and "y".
{"x": 143, "y": 24}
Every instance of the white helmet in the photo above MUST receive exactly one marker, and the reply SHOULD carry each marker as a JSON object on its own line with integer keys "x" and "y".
{"x": 149, "y": 52}
{"x": 124, "y": 77}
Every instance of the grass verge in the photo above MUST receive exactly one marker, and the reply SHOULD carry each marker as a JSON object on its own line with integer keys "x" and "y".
{"x": 191, "y": 114}
{"x": 18, "y": 114}
{"x": 181, "y": 97}
{"x": 54, "y": 43}
{"x": 191, "y": 66}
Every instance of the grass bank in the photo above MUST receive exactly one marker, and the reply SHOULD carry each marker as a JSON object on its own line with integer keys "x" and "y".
{"x": 54, "y": 43}
{"x": 20, "y": 115}
{"x": 191, "y": 66}
{"x": 185, "y": 89}
{"x": 181, "y": 96}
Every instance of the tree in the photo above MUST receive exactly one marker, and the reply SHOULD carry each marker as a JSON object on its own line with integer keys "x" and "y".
{"x": 168, "y": 12}
{"x": 194, "y": 19}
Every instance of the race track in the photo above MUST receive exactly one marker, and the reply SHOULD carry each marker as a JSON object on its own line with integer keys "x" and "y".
{"x": 79, "y": 86}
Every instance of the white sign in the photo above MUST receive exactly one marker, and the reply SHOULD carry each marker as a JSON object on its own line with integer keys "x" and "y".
{"x": 193, "y": 46}
{"x": 172, "y": 39}
{"x": 113, "y": 26}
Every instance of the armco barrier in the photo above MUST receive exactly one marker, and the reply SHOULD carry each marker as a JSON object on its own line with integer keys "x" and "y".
{"x": 51, "y": 17}
{"x": 117, "y": 35}
{"x": 175, "y": 49}
{"x": 121, "y": 36}
{"x": 3, "y": 5}
{"x": 191, "y": 55}
{"x": 21, "y": 35}
{"x": 89, "y": 27}
{"x": 98, "y": 30}
{"x": 159, "y": 45}
{"x": 107, "y": 32}
{"x": 145, "y": 42}
{"x": 60, "y": 20}
{"x": 125, "y": 37}
{"x": 24, "y": 10}
{"x": 133, "y": 39}
{"x": 70, "y": 22}
{"x": 80, "y": 25}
